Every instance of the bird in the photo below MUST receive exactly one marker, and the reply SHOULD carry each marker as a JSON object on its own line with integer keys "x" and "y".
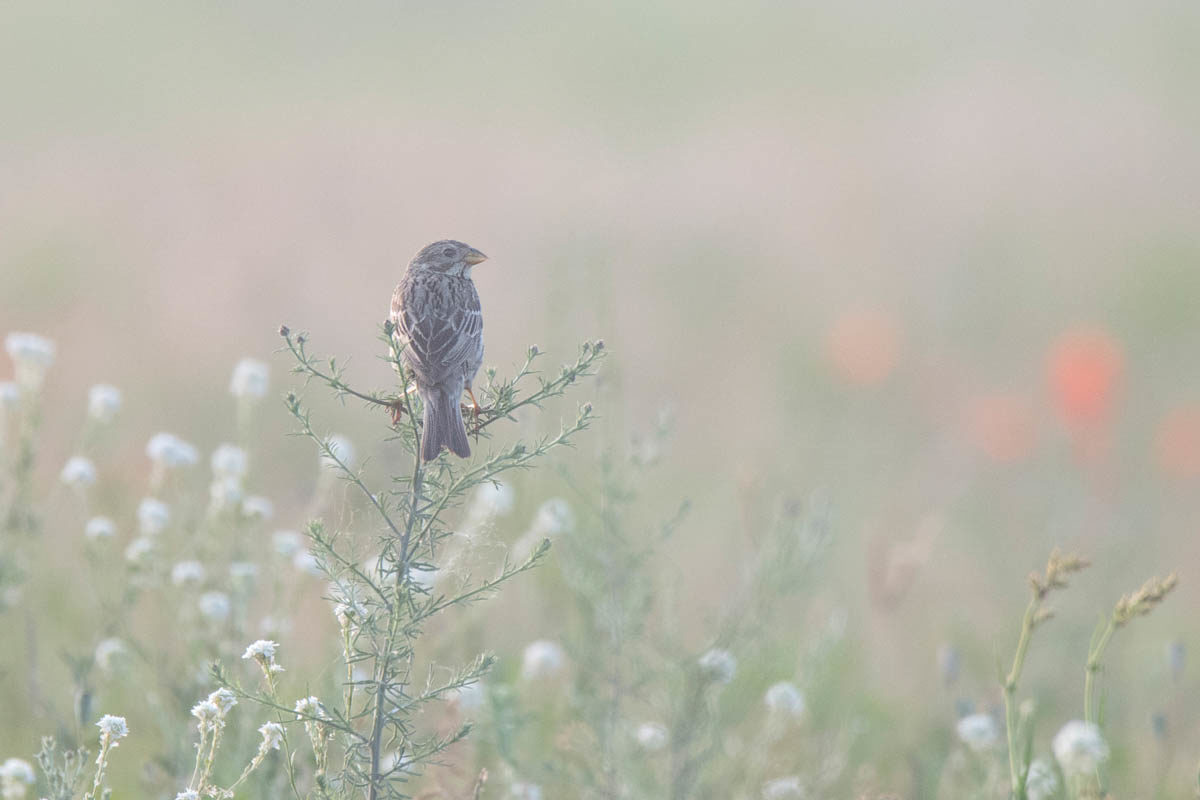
{"x": 437, "y": 318}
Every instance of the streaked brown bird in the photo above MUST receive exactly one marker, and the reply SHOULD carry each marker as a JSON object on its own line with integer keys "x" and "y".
{"x": 436, "y": 315}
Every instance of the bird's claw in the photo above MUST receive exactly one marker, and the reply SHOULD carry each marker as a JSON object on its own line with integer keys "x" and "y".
{"x": 396, "y": 409}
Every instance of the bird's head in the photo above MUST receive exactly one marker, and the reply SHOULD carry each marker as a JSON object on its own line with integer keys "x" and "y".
{"x": 448, "y": 256}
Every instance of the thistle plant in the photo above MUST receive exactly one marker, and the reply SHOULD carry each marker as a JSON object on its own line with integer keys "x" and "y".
{"x": 365, "y": 740}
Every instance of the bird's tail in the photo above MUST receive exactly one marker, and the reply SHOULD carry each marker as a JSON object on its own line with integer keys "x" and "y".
{"x": 443, "y": 425}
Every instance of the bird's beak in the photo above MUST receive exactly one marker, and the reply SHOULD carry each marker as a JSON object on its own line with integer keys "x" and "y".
{"x": 474, "y": 257}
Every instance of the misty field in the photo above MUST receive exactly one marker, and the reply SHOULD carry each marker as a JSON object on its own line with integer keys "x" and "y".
{"x": 839, "y": 428}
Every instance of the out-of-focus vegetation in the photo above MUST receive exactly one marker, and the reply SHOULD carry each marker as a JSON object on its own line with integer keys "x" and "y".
{"x": 936, "y": 265}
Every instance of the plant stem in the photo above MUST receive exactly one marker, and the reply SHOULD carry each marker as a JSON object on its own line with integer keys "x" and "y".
{"x": 1010, "y": 690}
{"x": 1093, "y": 666}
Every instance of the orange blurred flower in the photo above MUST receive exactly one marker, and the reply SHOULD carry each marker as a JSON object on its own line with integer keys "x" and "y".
{"x": 1085, "y": 366}
{"x": 1177, "y": 443}
{"x": 863, "y": 346}
{"x": 1002, "y": 426}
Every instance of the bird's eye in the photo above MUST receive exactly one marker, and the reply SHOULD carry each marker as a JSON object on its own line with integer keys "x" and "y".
{"x": 449, "y": 251}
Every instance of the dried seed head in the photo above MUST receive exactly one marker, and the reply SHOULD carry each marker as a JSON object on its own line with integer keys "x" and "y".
{"x": 1143, "y": 601}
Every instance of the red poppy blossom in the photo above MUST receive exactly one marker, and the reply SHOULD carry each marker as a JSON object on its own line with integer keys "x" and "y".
{"x": 863, "y": 346}
{"x": 1084, "y": 369}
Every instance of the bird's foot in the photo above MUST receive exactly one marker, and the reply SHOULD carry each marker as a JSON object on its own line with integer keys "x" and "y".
{"x": 397, "y": 410}
{"x": 474, "y": 413}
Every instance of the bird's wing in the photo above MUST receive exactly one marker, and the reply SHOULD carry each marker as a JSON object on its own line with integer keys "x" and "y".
{"x": 441, "y": 328}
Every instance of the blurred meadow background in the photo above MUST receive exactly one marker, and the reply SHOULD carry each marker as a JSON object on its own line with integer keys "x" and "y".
{"x": 934, "y": 267}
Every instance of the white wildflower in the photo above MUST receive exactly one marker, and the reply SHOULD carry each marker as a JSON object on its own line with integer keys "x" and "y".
{"x": 309, "y": 707}
{"x": 16, "y": 770}
{"x": 426, "y": 579}
{"x": 169, "y": 451}
{"x": 214, "y": 605}
{"x": 113, "y": 727}
{"x": 223, "y": 699}
{"x": 718, "y": 665}
{"x": 110, "y": 653}
{"x": 307, "y": 562}
{"x": 287, "y": 543}
{"x": 788, "y": 788}
{"x": 137, "y": 551}
{"x": 104, "y": 402}
{"x": 342, "y": 448}
{"x": 250, "y": 379}
{"x": 258, "y": 508}
{"x": 978, "y": 732}
{"x": 491, "y": 500}
{"x": 272, "y": 733}
{"x": 187, "y": 573}
{"x": 100, "y": 529}
{"x": 153, "y": 516}
{"x": 79, "y": 473}
{"x": 263, "y": 652}
{"x": 349, "y": 613}
{"x": 31, "y": 355}
{"x": 785, "y": 698}
{"x": 229, "y": 461}
{"x": 652, "y": 736}
{"x": 468, "y": 698}
{"x": 1079, "y": 748}
{"x": 542, "y": 659}
{"x": 523, "y": 790}
{"x": 1042, "y": 781}
{"x": 553, "y": 517}
{"x": 207, "y": 712}
{"x": 188, "y": 794}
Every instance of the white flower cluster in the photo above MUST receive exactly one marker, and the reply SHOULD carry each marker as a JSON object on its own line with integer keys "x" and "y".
{"x": 1080, "y": 748}
{"x": 272, "y": 733}
{"x": 16, "y": 776}
{"x": 309, "y": 707}
{"x": 553, "y": 518}
{"x": 109, "y": 654}
{"x": 104, "y": 402}
{"x": 263, "y": 652}
{"x": 979, "y": 732}
{"x": 343, "y": 450}
{"x": 718, "y": 665}
{"x": 168, "y": 451}
{"x": 652, "y": 736}
{"x": 788, "y": 788}
{"x": 32, "y": 357}
{"x": 1041, "y": 783}
{"x": 250, "y": 379}
{"x": 187, "y": 573}
{"x": 215, "y": 606}
{"x": 79, "y": 473}
{"x": 114, "y": 728}
{"x": 785, "y": 699}
{"x": 100, "y": 529}
{"x": 153, "y": 516}
{"x": 542, "y": 659}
